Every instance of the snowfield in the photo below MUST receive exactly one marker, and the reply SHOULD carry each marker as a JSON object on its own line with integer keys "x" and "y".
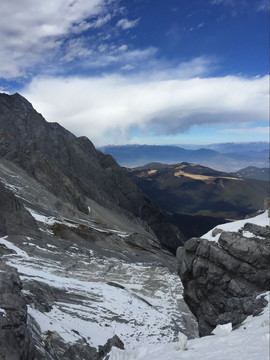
{"x": 97, "y": 296}
{"x": 249, "y": 342}
{"x": 235, "y": 226}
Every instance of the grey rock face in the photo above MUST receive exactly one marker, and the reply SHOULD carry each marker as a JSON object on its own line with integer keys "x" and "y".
{"x": 222, "y": 280}
{"x": 14, "y": 219}
{"x": 15, "y": 339}
{"x": 54, "y": 348}
{"x": 72, "y": 169}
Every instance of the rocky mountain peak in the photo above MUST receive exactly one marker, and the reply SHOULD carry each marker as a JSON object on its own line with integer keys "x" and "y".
{"x": 72, "y": 169}
{"x": 15, "y": 102}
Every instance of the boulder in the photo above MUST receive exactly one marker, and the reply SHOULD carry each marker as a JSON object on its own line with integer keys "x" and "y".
{"x": 222, "y": 280}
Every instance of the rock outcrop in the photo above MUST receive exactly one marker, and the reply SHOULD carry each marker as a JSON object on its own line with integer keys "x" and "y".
{"x": 14, "y": 218}
{"x": 15, "y": 338}
{"x": 223, "y": 279}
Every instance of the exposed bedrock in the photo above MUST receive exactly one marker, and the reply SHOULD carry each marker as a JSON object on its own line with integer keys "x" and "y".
{"x": 14, "y": 218}
{"x": 15, "y": 339}
{"x": 222, "y": 280}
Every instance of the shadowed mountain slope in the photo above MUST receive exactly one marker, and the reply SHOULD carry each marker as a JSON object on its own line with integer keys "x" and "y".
{"x": 72, "y": 168}
{"x": 197, "y": 190}
{"x": 252, "y": 172}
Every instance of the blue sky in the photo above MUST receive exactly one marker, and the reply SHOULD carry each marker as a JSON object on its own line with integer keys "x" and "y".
{"x": 141, "y": 71}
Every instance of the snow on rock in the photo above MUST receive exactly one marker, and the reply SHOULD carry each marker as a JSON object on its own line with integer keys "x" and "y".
{"x": 93, "y": 297}
{"x": 49, "y": 221}
{"x": 235, "y": 226}
{"x": 249, "y": 342}
{"x": 11, "y": 246}
{"x": 222, "y": 330}
{"x": 182, "y": 341}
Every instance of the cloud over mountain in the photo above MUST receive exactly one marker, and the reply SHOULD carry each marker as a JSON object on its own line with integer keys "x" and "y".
{"x": 114, "y": 105}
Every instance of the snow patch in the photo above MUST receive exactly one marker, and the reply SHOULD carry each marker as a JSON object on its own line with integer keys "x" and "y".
{"x": 11, "y": 246}
{"x": 222, "y": 330}
{"x": 235, "y": 226}
{"x": 2, "y": 311}
{"x": 141, "y": 303}
{"x": 249, "y": 342}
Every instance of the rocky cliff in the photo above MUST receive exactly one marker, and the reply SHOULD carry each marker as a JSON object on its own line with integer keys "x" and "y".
{"x": 72, "y": 169}
{"x": 224, "y": 273}
{"x": 15, "y": 338}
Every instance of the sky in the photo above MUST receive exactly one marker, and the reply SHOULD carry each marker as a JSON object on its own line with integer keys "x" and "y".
{"x": 141, "y": 71}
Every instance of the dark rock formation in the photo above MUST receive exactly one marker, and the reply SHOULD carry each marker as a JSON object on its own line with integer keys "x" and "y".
{"x": 53, "y": 347}
{"x": 105, "y": 349}
{"x": 15, "y": 339}
{"x": 72, "y": 169}
{"x": 57, "y": 349}
{"x": 14, "y": 218}
{"x": 222, "y": 280}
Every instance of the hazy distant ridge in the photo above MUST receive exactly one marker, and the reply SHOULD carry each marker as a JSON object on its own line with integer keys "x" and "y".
{"x": 225, "y": 156}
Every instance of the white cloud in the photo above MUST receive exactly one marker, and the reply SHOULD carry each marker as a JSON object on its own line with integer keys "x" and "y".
{"x": 123, "y": 48}
{"x": 126, "y": 24}
{"x": 108, "y": 107}
{"x": 254, "y": 130}
{"x": 225, "y": 2}
{"x": 31, "y": 31}
{"x": 232, "y": 3}
{"x": 196, "y": 67}
{"x": 127, "y": 67}
{"x": 263, "y": 5}
{"x": 105, "y": 55}
{"x": 75, "y": 48}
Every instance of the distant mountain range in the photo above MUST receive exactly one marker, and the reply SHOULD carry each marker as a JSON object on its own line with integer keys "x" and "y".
{"x": 252, "y": 172}
{"x": 190, "y": 189}
{"x": 234, "y": 147}
{"x": 223, "y": 157}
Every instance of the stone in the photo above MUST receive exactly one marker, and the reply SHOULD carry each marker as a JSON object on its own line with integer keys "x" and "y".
{"x": 222, "y": 280}
{"x": 105, "y": 349}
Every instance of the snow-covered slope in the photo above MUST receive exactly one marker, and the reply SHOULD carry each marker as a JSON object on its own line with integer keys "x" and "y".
{"x": 249, "y": 342}
{"x": 94, "y": 297}
{"x": 261, "y": 219}
{"x": 88, "y": 277}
